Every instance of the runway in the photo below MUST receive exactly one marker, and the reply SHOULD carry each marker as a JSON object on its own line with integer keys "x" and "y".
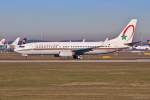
{"x": 71, "y": 61}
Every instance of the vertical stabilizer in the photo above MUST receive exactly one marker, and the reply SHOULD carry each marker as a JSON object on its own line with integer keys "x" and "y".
{"x": 15, "y": 43}
{"x": 126, "y": 36}
{"x": 3, "y": 41}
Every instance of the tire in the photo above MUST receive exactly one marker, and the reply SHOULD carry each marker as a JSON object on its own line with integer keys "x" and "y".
{"x": 76, "y": 57}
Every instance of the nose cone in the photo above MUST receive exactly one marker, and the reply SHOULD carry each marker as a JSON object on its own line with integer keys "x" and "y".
{"x": 19, "y": 49}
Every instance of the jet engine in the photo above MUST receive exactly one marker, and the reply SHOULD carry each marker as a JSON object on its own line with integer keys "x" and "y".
{"x": 66, "y": 53}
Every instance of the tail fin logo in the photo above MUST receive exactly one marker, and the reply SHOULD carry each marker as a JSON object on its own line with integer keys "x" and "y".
{"x": 124, "y": 36}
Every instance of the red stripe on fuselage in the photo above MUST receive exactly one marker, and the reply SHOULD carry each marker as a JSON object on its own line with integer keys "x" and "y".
{"x": 72, "y": 49}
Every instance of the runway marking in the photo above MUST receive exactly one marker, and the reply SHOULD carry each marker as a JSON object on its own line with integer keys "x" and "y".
{"x": 73, "y": 61}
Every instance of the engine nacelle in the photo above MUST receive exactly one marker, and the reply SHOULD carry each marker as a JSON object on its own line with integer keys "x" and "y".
{"x": 66, "y": 53}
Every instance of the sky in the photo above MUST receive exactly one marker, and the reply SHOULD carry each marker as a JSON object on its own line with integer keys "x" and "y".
{"x": 56, "y": 20}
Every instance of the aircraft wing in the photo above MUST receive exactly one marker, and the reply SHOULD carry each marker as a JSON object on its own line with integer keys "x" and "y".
{"x": 83, "y": 50}
{"x": 133, "y": 43}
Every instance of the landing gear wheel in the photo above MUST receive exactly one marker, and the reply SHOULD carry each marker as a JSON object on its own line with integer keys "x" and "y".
{"x": 77, "y": 57}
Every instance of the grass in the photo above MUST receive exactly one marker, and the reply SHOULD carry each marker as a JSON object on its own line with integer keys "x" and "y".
{"x": 74, "y": 81}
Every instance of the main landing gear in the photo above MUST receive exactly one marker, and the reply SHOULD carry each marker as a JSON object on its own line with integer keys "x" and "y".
{"x": 77, "y": 57}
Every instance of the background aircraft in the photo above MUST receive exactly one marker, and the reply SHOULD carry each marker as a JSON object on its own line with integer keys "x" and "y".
{"x": 3, "y": 41}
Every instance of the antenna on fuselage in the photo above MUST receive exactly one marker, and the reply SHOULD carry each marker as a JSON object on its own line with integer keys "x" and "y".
{"x": 83, "y": 40}
{"x": 106, "y": 40}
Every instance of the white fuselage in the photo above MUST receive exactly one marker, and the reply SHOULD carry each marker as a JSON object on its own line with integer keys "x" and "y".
{"x": 54, "y": 48}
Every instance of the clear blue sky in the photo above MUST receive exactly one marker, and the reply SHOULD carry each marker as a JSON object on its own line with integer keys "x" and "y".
{"x": 72, "y": 19}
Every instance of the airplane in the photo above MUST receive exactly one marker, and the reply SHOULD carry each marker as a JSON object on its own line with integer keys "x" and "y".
{"x": 14, "y": 44}
{"x": 142, "y": 48}
{"x": 77, "y": 49}
{"x": 3, "y": 41}
{"x": 2, "y": 44}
